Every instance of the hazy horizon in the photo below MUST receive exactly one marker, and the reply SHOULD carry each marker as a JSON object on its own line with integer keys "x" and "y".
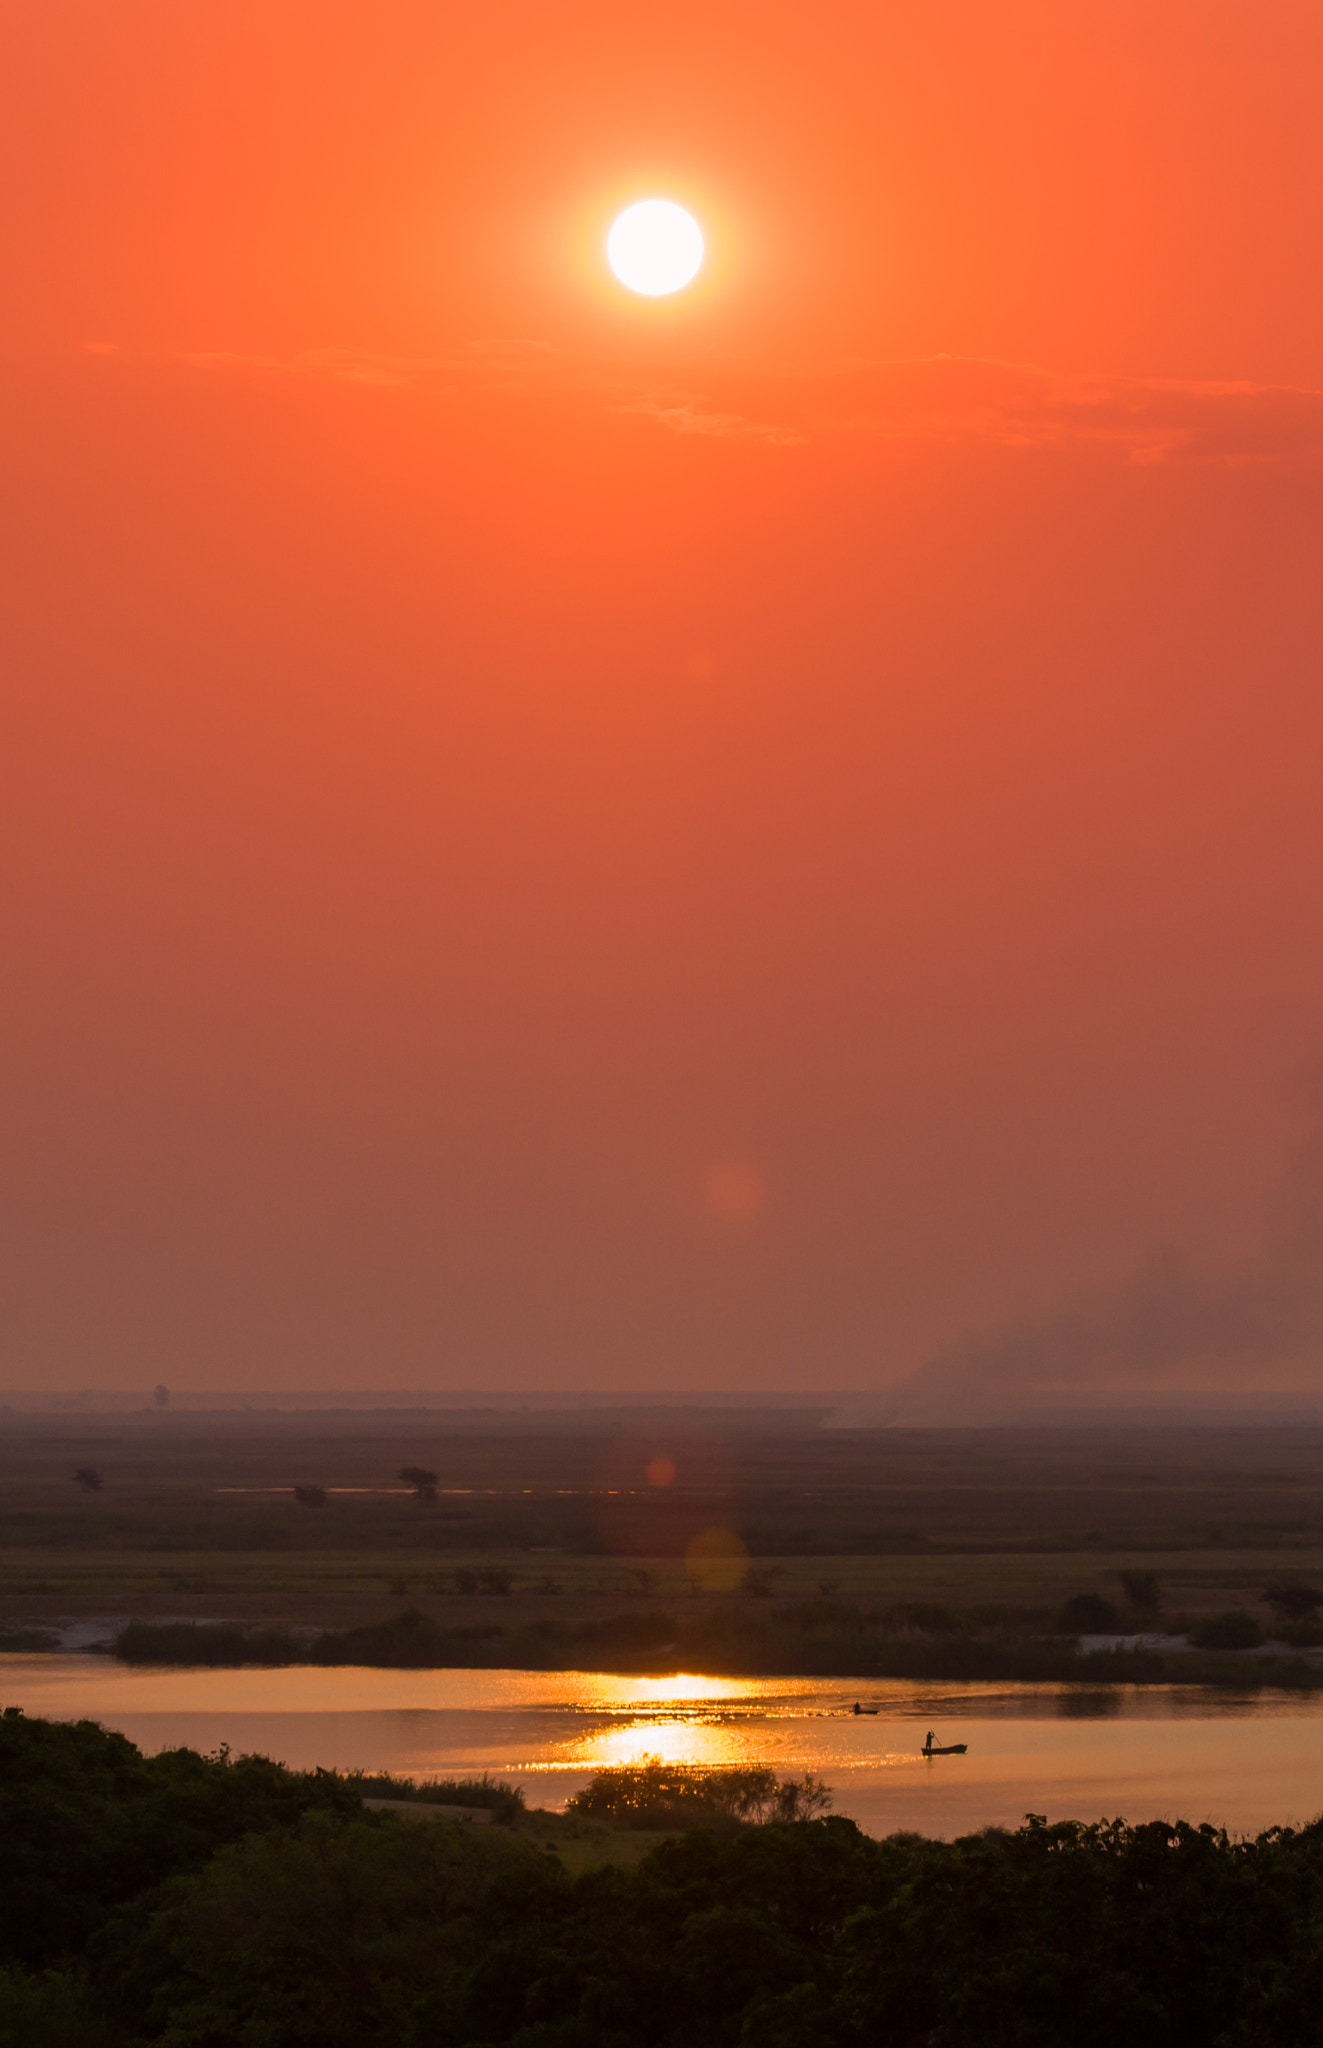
{"x": 762, "y": 837}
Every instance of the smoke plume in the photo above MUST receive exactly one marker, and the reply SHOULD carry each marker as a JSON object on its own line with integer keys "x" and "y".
{"x": 1247, "y": 1327}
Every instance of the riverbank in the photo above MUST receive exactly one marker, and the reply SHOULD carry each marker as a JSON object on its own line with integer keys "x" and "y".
{"x": 822, "y": 1641}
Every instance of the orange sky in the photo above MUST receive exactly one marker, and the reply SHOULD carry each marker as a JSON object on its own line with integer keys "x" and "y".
{"x": 760, "y": 839}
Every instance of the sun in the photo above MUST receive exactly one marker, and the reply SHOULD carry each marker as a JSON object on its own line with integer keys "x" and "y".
{"x": 655, "y": 247}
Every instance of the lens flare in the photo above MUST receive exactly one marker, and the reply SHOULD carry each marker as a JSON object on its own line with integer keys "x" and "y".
{"x": 733, "y": 1191}
{"x": 717, "y": 1560}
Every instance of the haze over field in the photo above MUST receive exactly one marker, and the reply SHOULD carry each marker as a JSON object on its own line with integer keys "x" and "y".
{"x": 767, "y": 839}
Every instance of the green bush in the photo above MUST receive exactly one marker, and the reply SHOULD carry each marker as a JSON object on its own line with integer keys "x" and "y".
{"x": 652, "y": 1794}
{"x": 506, "y": 1802}
{"x": 926, "y": 1615}
{"x": 1087, "y": 1614}
{"x": 1302, "y": 1635}
{"x": 1234, "y": 1630}
{"x": 409, "y": 1641}
{"x": 646, "y": 1631}
{"x": 12, "y": 1639}
{"x": 190, "y": 1642}
{"x": 1293, "y": 1600}
{"x": 811, "y": 1615}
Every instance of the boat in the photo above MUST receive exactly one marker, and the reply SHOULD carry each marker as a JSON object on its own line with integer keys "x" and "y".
{"x": 857, "y": 1709}
{"x": 949, "y": 1749}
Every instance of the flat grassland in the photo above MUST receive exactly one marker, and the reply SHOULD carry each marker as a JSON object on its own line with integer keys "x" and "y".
{"x": 574, "y": 1517}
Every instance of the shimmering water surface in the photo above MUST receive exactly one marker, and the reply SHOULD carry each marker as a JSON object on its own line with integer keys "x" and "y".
{"x": 1246, "y": 1761}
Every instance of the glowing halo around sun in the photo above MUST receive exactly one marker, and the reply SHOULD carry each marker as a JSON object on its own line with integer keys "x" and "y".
{"x": 655, "y": 247}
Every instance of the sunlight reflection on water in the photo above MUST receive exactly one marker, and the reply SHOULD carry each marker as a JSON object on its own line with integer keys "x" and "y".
{"x": 1247, "y": 1760}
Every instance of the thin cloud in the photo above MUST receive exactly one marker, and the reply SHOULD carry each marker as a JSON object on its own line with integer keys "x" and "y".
{"x": 944, "y": 399}
{"x": 963, "y": 400}
{"x": 505, "y": 345}
{"x": 688, "y": 416}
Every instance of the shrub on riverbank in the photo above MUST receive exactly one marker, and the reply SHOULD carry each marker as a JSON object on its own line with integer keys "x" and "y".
{"x": 826, "y": 1639}
{"x": 1087, "y": 1614}
{"x": 206, "y": 1642}
{"x": 504, "y": 1802}
{"x": 652, "y": 1794}
{"x": 1235, "y": 1630}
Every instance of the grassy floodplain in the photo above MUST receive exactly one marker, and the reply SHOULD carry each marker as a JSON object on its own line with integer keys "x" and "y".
{"x": 549, "y": 1527}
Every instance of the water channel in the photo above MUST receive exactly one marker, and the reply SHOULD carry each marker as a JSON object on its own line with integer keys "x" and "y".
{"x": 1245, "y": 1761}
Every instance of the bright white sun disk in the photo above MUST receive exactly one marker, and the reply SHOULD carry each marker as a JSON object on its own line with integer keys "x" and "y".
{"x": 655, "y": 247}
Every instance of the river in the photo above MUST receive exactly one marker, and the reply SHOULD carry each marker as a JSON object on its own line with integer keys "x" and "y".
{"x": 1245, "y": 1761}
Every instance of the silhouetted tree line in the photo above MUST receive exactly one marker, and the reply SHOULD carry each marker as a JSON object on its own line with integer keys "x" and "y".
{"x": 810, "y": 1639}
{"x": 197, "y": 1902}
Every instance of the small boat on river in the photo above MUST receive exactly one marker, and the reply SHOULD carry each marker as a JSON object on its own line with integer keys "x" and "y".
{"x": 931, "y": 1748}
{"x": 857, "y": 1709}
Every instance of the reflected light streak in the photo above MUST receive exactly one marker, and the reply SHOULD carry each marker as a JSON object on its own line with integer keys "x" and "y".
{"x": 674, "y": 1742}
{"x": 602, "y": 1690}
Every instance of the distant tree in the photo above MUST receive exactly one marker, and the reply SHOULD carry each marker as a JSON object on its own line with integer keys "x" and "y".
{"x": 88, "y": 1478}
{"x": 1141, "y": 1590}
{"x": 1087, "y": 1614}
{"x": 310, "y": 1496}
{"x": 161, "y": 1396}
{"x": 421, "y": 1480}
{"x": 1292, "y": 1600}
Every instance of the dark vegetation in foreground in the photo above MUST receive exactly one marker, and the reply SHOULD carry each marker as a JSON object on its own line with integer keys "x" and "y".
{"x": 197, "y": 1902}
{"x": 505, "y": 1803}
{"x": 813, "y": 1639}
